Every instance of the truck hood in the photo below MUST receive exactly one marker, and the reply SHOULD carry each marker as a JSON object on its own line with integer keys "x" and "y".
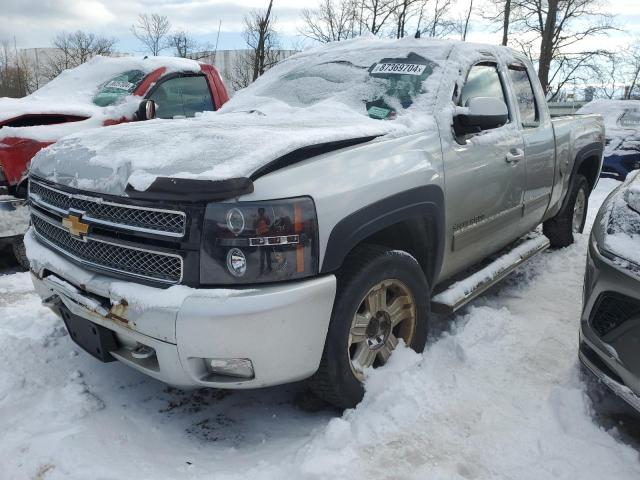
{"x": 213, "y": 147}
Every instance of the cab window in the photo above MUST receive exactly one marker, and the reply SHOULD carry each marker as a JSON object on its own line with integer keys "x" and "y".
{"x": 483, "y": 81}
{"x": 525, "y": 97}
{"x": 182, "y": 97}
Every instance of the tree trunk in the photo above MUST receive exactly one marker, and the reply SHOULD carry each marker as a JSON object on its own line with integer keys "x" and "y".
{"x": 546, "y": 45}
{"x": 505, "y": 22}
{"x": 466, "y": 23}
{"x": 259, "y": 61}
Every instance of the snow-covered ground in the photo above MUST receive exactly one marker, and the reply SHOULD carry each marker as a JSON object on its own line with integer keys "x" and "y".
{"x": 497, "y": 395}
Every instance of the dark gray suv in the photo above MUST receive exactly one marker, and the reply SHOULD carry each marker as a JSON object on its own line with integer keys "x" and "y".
{"x": 610, "y": 324}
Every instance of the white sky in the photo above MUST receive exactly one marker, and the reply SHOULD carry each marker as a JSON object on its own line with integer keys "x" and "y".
{"x": 33, "y": 23}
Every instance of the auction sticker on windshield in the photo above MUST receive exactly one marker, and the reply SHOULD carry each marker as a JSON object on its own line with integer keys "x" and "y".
{"x": 399, "y": 68}
{"x": 120, "y": 85}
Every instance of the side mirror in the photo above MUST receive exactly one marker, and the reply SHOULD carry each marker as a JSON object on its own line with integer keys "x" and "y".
{"x": 147, "y": 110}
{"x": 484, "y": 113}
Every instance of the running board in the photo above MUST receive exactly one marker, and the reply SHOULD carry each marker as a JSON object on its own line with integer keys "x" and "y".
{"x": 462, "y": 292}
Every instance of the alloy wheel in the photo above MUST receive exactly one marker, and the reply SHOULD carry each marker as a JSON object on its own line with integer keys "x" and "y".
{"x": 386, "y": 314}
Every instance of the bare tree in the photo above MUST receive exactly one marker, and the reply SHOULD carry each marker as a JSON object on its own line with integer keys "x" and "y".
{"x": 152, "y": 31}
{"x": 18, "y": 74}
{"x": 375, "y": 14}
{"x": 262, "y": 40}
{"x": 560, "y": 25}
{"x": 436, "y": 20}
{"x": 633, "y": 65}
{"x": 609, "y": 75}
{"x": 332, "y": 21}
{"x": 73, "y": 49}
{"x": 465, "y": 27}
{"x": 500, "y": 12}
{"x": 183, "y": 44}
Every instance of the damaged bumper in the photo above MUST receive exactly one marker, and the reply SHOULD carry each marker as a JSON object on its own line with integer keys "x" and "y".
{"x": 187, "y": 337}
{"x": 14, "y": 217}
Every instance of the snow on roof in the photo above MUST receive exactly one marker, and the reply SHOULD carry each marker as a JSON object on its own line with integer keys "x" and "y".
{"x": 320, "y": 95}
{"x": 72, "y": 92}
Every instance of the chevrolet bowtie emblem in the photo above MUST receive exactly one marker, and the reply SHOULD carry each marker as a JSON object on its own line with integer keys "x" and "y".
{"x": 75, "y": 226}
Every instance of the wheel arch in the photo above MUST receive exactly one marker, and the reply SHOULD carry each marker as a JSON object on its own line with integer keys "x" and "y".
{"x": 588, "y": 162}
{"x": 412, "y": 221}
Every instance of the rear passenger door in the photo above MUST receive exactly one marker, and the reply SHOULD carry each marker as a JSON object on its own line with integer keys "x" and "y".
{"x": 484, "y": 176}
{"x": 182, "y": 96}
{"x": 539, "y": 145}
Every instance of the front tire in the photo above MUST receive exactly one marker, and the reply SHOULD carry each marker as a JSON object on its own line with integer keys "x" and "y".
{"x": 571, "y": 217}
{"x": 383, "y": 296}
{"x": 20, "y": 252}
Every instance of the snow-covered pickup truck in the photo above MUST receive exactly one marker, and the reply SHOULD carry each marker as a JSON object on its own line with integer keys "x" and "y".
{"x": 103, "y": 91}
{"x": 309, "y": 226}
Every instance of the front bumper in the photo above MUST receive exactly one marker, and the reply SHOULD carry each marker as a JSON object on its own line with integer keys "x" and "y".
{"x": 14, "y": 217}
{"x": 281, "y": 329}
{"x": 610, "y": 325}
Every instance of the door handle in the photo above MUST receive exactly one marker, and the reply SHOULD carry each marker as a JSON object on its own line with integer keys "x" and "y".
{"x": 514, "y": 156}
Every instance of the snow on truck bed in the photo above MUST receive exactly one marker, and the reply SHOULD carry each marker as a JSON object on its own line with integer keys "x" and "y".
{"x": 612, "y": 111}
{"x": 72, "y": 92}
{"x": 496, "y": 396}
{"x": 335, "y": 92}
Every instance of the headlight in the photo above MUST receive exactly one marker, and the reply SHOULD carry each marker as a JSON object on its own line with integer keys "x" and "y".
{"x": 257, "y": 242}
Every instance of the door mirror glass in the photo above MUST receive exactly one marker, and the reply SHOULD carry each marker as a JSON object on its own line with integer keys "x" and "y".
{"x": 147, "y": 110}
{"x": 484, "y": 113}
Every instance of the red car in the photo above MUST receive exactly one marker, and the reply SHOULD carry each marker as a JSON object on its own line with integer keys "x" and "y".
{"x": 104, "y": 91}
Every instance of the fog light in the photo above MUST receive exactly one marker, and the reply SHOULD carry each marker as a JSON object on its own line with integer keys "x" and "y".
{"x": 236, "y": 262}
{"x": 231, "y": 367}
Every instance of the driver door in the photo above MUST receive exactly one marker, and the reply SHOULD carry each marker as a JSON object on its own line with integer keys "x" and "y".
{"x": 484, "y": 178}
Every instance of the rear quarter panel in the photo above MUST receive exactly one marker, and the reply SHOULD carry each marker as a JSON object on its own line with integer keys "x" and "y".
{"x": 573, "y": 134}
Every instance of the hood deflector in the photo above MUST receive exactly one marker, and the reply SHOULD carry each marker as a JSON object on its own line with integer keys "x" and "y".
{"x": 193, "y": 190}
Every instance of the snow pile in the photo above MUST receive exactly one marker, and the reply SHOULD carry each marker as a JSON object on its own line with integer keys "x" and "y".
{"x": 497, "y": 396}
{"x": 622, "y": 221}
{"x": 72, "y": 92}
{"x": 317, "y": 96}
{"x": 619, "y": 137}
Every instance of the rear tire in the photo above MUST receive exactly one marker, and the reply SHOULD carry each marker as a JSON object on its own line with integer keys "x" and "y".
{"x": 571, "y": 217}
{"x": 20, "y": 252}
{"x": 382, "y": 296}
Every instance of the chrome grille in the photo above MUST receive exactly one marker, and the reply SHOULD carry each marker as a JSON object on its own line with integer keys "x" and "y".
{"x": 163, "y": 267}
{"x": 96, "y": 210}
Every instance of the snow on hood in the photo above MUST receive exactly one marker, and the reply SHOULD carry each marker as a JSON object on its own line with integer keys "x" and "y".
{"x": 212, "y": 147}
{"x": 321, "y": 95}
{"x": 72, "y": 92}
{"x": 619, "y": 137}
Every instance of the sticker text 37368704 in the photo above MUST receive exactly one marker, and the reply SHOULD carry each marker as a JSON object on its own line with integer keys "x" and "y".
{"x": 399, "y": 68}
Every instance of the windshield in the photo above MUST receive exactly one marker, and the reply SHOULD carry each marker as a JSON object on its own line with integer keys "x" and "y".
{"x": 380, "y": 89}
{"x": 118, "y": 87}
{"x": 630, "y": 118}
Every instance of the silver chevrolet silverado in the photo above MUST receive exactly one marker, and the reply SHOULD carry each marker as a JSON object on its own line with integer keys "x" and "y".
{"x": 314, "y": 222}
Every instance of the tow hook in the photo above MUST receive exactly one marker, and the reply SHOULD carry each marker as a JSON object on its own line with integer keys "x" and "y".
{"x": 142, "y": 352}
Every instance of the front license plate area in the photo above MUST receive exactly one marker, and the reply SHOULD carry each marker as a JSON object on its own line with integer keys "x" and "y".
{"x": 91, "y": 337}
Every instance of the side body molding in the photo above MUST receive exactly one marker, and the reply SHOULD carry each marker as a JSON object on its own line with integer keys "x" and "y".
{"x": 423, "y": 205}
